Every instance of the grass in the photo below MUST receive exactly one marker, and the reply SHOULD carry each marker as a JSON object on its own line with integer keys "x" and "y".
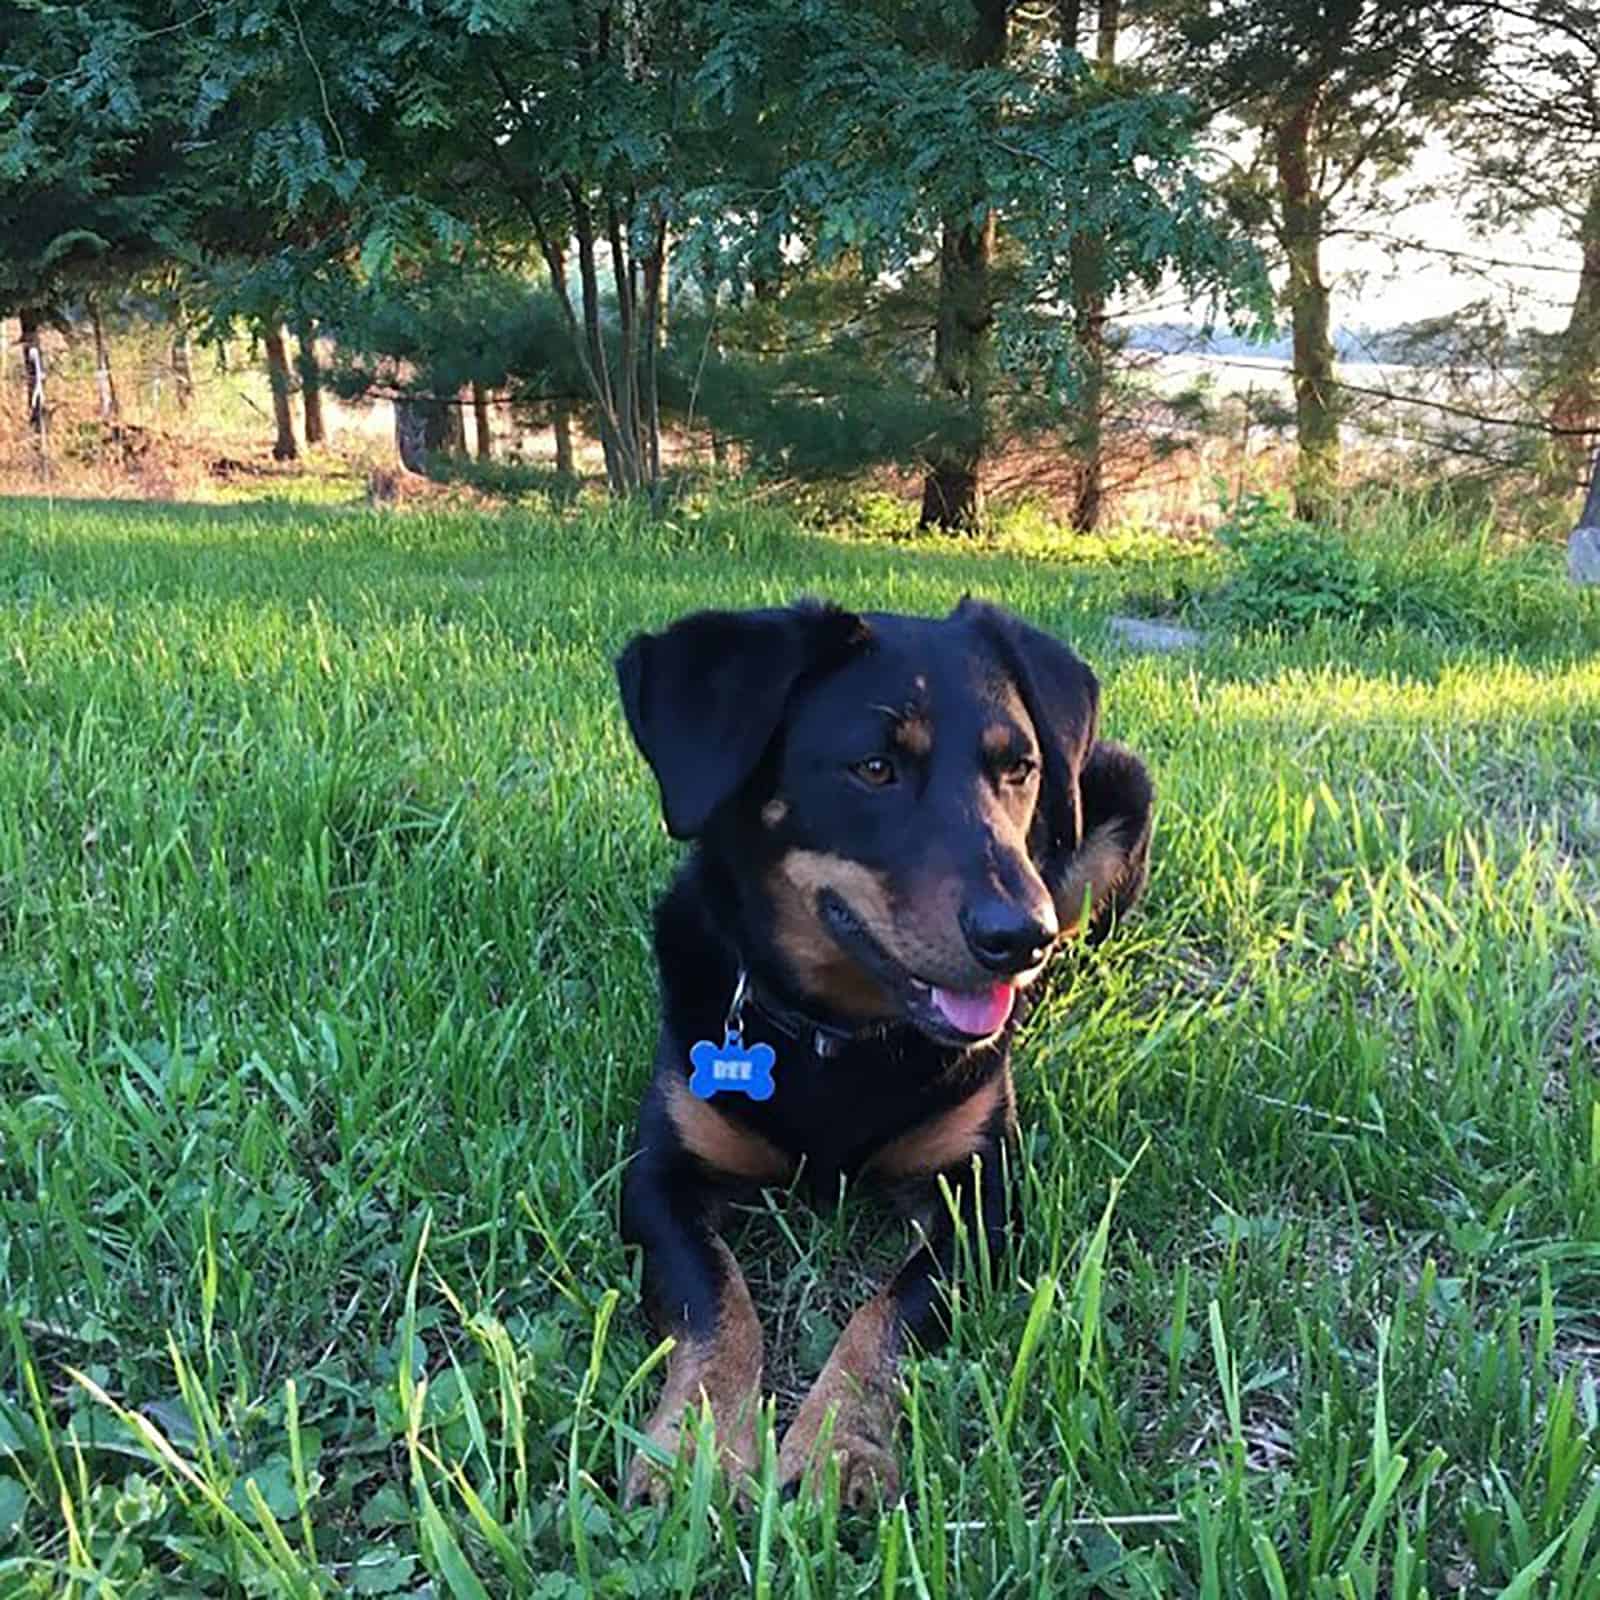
{"x": 325, "y": 1000}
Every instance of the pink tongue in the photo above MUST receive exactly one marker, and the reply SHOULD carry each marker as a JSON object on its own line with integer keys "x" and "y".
{"x": 978, "y": 1014}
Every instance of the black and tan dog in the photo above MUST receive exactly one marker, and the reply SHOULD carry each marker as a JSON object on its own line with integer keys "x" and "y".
{"x": 896, "y": 820}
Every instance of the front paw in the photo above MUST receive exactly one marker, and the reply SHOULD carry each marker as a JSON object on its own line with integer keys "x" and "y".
{"x": 861, "y": 1441}
{"x": 676, "y": 1425}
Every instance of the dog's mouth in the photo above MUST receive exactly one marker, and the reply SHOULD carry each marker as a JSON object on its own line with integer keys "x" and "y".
{"x": 964, "y": 1014}
{"x": 948, "y": 1016}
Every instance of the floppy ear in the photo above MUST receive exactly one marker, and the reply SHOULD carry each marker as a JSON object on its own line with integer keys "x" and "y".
{"x": 1062, "y": 699}
{"x": 704, "y": 698}
{"x": 1092, "y": 833}
{"x": 1107, "y": 873}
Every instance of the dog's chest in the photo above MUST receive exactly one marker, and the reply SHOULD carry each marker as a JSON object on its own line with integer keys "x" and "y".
{"x": 835, "y": 1113}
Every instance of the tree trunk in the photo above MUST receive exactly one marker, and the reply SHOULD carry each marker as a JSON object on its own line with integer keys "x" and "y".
{"x": 952, "y": 495}
{"x": 952, "y": 491}
{"x": 284, "y": 447}
{"x": 410, "y": 433}
{"x": 110, "y": 409}
{"x": 623, "y": 278}
{"x": 1089, "y": 314}
{"x": 1316, "y": 401}
{"x": 425, "y": 426}
{"x": 655, "y": 285}
{"x": 562, "y": 423}
{"x": 453, "y": 422}
{"x": 310, "y": 381}
{"x": 1069, "y": 22}
{"x": 1575, "y": 403}
{"x": 1108, "y": 20}
{"x": 182, "y": 368}
{"x": 1089, "y": 317}
{"x": 480, "y": 418}
{"x": 33, "y": 370}
{"x": 1589, "y": 517}
{"x": 621, "y": 471}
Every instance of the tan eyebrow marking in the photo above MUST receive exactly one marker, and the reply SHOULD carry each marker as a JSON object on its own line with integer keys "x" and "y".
{"x": 913, "y": 735}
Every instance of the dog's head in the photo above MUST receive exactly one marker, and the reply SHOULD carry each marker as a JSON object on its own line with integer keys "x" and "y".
{"x": 900, "y": 800}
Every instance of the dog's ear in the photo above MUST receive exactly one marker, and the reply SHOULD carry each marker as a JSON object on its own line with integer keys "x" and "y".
{"x": 1107, "y": 872}
{"x": 1092, "y": 832}
{"x": 704, "y": 698}
{"x": 1062, "y": 699}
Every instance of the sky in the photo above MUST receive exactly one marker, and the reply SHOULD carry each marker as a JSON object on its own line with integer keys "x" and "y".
{"x": 1373, "y": 290}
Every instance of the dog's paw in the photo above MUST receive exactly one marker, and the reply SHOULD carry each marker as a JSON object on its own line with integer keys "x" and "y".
{"x": 675, "y": 1428}
{"x": 868, "y": 1472}
{"x": 861, "y": 1441}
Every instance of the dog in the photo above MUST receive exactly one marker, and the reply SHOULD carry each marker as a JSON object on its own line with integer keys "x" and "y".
{"x": 895, "y": 821}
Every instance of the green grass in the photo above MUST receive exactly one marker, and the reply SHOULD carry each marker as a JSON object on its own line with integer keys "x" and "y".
{"x": 325, "y": 1000}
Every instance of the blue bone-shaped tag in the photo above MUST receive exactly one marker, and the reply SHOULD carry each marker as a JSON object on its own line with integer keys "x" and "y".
{"x": 733, "y": 1067}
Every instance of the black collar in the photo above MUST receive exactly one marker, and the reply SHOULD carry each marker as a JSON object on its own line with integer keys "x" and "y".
{"x": 824, "y": 1039}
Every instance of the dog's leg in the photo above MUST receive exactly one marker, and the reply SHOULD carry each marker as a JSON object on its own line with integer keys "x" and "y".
{"x": 695, "y": 1292}
{"x": 859, "y": 1386}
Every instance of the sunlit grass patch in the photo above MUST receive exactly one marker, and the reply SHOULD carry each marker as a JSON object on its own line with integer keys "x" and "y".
{"x": 325, "y": 999}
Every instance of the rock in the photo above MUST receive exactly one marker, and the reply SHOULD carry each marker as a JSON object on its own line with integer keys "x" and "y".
{"x": 1583, "y": 546}
{"x": 1139, "y": 633}
{"x": 1583, "y": 555}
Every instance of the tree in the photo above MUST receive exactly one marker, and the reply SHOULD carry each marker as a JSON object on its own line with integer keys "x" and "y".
{"x": 93, "y": 171}
{"x": 33, "y": 371}
{"x": 559, "y": 118}
{"x": 1533, "y": 145}
{"x": 310, "y": 372}
{"x": 449, "y": 325}
{"x": 931, "y": 131}
{"x": 963, "y": 355}
{"x": 718, "y": 144}
{"x": 274, "y": 274}
{"x": 1335, "y": 97}
{"x": 1583, "y": 544}
{"x": 105, "y": 379}
{"x": 284, "y": 447}
{"x": 1088, "y": 286}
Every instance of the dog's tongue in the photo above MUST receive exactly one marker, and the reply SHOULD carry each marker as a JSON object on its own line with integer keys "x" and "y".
{"x": 979, "y": 1013}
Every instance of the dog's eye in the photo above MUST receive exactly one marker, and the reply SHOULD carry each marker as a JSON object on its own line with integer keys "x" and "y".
{"x": 877, "y": 772}
{"x": 1018, "y": 769}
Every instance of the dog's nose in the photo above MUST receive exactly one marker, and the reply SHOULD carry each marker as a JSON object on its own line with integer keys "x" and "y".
{"x": 1005, "y": 937}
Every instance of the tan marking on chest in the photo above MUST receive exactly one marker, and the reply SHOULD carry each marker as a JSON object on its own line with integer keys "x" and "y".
{"x": 950, "y": 1138}
{"x": 721, "y": 1143}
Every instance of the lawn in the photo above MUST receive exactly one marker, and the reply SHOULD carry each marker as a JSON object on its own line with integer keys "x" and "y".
{"x": 325, "y": 999}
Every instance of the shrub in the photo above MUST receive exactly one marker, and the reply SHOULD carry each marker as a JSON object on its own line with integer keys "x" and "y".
{"x": 1400, "y": 563}
{"x": 1290, "y": 574}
